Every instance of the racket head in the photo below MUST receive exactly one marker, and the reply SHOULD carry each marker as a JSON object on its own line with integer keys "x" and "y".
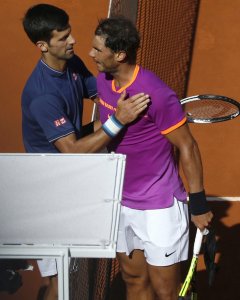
{"x": 208, "y": 108}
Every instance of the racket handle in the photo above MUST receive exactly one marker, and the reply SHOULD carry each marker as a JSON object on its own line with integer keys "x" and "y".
{"x": 198, "y": 240}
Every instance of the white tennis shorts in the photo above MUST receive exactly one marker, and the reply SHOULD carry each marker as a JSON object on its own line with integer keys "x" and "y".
{"x": 162, "y": 233}
{"x": 47, "y": 267}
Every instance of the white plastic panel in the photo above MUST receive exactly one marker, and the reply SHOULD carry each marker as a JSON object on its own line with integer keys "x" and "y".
{"x": 60, "y": 199}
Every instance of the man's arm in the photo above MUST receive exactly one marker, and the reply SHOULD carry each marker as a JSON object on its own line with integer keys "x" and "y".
{"x": 192, "y": 167}
{"x": 127, "y": 111}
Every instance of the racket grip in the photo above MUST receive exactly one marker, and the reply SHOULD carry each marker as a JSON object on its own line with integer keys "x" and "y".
{"x": 198, "y": 240}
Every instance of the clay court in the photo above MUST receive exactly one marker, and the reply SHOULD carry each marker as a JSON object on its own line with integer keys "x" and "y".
{"x": 213, "y": 67}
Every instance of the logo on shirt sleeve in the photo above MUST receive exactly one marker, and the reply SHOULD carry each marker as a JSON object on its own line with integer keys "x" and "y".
{"x": 60, "y": 122}
{"x": 74, "y": 76}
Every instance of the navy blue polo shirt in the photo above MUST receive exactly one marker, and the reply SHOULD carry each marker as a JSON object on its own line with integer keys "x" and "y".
{"x": 52, "y": 104}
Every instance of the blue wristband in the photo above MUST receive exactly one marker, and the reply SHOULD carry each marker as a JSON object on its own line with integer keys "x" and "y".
{"x": 112, "y": 126}
{"x": 115, "y": 120}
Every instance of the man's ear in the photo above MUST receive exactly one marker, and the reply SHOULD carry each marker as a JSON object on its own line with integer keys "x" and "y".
{"x": 43, "y": 46}
{"x": 121, "y": 56}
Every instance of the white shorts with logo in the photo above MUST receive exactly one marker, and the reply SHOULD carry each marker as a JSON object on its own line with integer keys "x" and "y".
{"x": 47, "y": 266}
{"x": 161, "y": 233}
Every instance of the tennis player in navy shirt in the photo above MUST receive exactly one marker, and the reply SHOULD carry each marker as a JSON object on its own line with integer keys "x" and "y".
{"x": 52, "y": 102}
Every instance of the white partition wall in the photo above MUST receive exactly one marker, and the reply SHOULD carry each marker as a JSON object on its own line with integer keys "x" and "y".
{"x": 56, "y": 205}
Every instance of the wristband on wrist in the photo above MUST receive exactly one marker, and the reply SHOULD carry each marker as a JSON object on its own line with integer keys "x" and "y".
{"x": 112, "y": 126}
{"x": 198, "y": 203}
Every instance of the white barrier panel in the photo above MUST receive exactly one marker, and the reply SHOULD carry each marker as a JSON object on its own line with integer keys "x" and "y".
{"x": 63, "y": 199}
{"x": 56, "y": 205}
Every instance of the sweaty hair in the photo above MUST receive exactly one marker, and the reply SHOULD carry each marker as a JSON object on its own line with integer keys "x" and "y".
{"x": 40, "y": 21}
{"x": 120, "y": 35}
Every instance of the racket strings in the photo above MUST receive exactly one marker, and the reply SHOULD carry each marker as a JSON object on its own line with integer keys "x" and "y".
{"x": 206, "y": 109}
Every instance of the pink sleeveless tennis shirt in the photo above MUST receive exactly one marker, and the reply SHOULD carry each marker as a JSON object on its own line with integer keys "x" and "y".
{"x": 151, "y": 178}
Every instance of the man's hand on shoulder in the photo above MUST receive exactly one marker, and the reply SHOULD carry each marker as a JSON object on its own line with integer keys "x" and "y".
{"x": 129, "y": 109}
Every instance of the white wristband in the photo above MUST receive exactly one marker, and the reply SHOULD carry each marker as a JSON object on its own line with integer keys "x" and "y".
{"x": 112, "y": 126}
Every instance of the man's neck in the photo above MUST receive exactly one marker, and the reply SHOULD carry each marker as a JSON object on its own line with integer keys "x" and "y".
{"x": 124, "y": 75}
{"x": 56, "y": 64}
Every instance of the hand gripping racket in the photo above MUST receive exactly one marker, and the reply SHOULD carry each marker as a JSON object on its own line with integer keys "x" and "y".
{"x": 210, "y": 108}
{"x": 193, "y": 266}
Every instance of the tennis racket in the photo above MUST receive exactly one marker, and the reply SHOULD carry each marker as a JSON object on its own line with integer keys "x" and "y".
{"x": 183, "y": 294}
{"x": 209, "y": 253}
{"x": 210, "y": 108}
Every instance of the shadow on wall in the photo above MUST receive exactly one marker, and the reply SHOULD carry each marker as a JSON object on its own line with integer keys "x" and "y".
{"x": 225, "y": 285}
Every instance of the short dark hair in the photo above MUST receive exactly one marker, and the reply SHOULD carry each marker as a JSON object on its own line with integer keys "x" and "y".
{"x": 40, "y": 20}
{"x": 120, "y": 35}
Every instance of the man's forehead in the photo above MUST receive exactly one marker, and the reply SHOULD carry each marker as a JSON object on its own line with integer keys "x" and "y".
{"x": 100, "y": 39}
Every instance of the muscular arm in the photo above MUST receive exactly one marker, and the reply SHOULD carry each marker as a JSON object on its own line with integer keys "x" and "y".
{"x": 91, "y": 143}
{"x": 127, "y": 111}
{"x": 97, "y": 125}
{"x": 190, "y": 160}
{"x": 189, "y": 157}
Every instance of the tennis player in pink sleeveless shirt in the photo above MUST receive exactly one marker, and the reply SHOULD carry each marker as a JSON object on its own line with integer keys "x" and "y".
{"x": 153, "y": 229}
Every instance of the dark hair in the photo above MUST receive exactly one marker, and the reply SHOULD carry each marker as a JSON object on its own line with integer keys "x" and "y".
{"x": 120, "y": 35}
{"x": 40, "y": 20}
